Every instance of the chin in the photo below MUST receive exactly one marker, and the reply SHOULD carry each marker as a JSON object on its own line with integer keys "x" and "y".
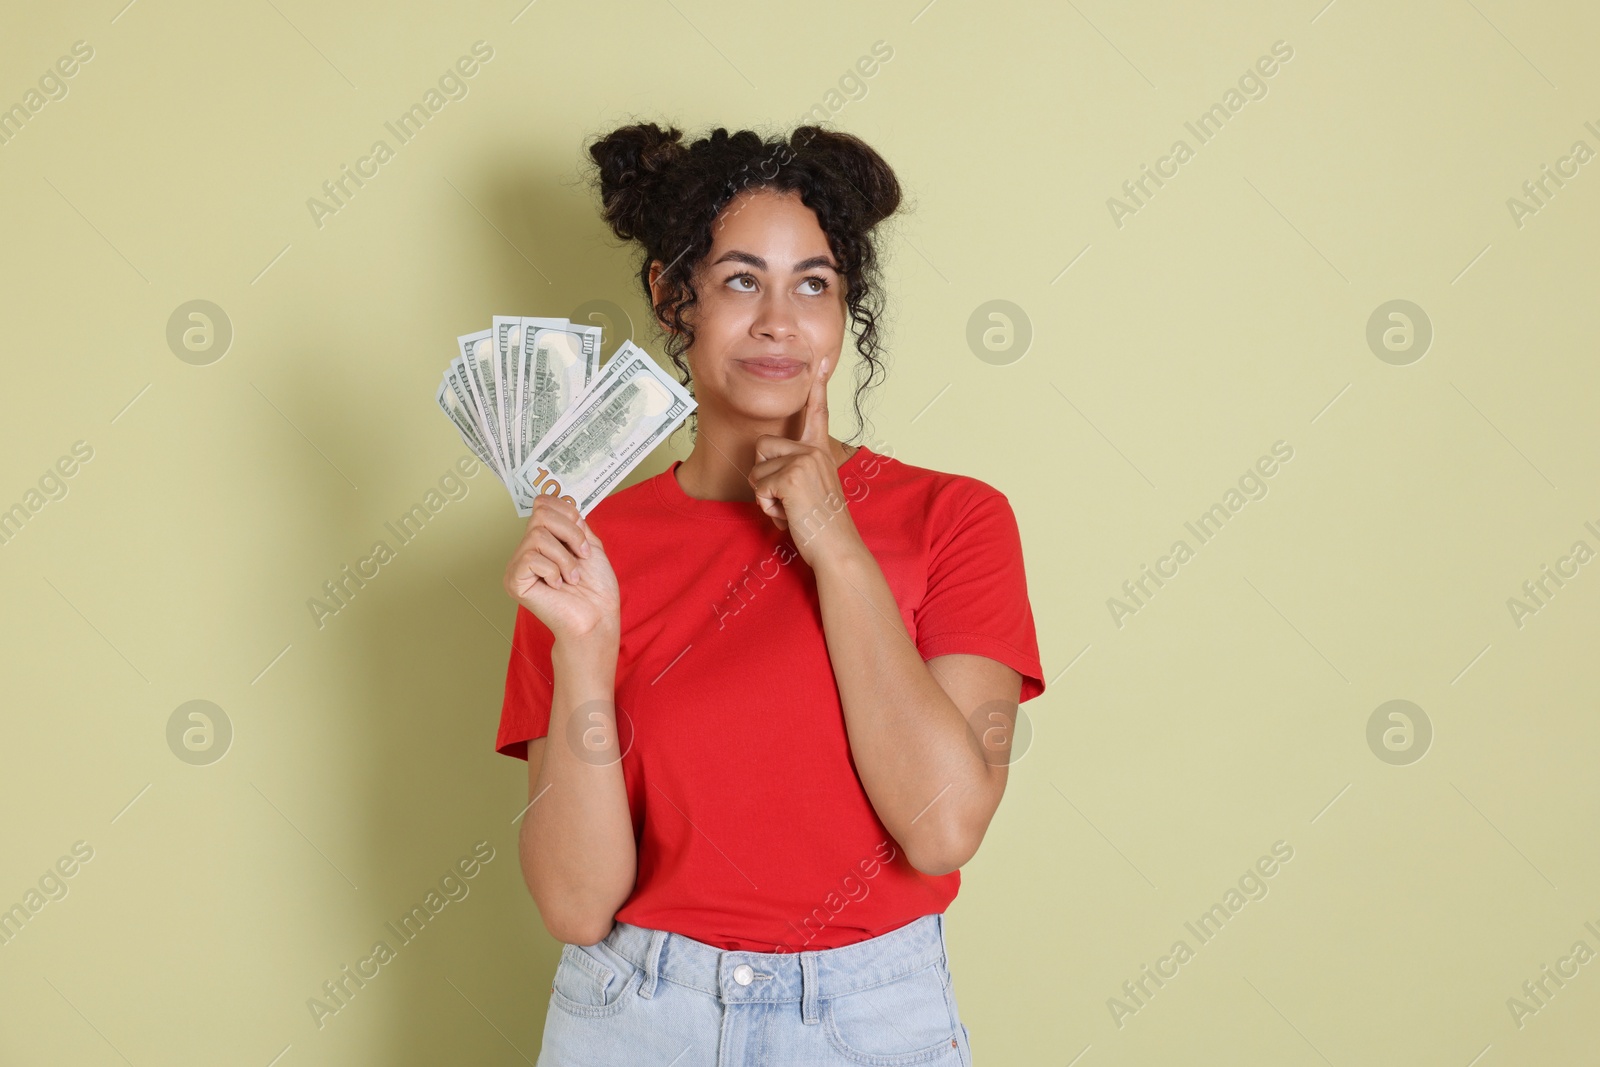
{"x": 763, "y": 409}
{"x": 762, "y": 401}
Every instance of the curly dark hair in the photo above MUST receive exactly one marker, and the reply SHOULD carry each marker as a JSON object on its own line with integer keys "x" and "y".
{"x": 666, "y": 196}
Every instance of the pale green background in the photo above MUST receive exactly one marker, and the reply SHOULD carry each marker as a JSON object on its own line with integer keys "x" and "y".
{"x": 1169, "y": 754}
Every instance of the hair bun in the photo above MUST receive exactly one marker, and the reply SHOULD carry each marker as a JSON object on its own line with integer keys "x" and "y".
{"x": 865, "y": 171}
{"x": 632, "y": 160}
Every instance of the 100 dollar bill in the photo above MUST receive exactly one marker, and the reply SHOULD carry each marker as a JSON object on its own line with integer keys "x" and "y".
{"x": 555, "y": 366}
{"x": 609, "y": 429}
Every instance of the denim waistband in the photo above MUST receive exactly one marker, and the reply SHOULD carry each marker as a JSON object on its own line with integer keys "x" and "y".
{"x": 774, "y": 977}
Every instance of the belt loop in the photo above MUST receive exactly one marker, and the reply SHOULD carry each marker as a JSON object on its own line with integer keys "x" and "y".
{"x": 652, "y": 963}
{"x": 808, "y": 990}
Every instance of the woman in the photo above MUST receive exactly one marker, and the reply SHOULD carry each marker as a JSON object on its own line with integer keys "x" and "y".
{"x": 779, "y": 675}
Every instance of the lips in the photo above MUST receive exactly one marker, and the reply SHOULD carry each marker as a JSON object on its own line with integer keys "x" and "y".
{"x": 772, "y": 368}
{"x": 773, "y": 363}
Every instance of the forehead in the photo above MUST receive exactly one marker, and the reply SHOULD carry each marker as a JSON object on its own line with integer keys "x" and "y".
{"x": 766, "y": 219}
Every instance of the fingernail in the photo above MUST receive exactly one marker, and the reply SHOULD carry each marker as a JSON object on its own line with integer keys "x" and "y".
{"x": 574, "y": 574}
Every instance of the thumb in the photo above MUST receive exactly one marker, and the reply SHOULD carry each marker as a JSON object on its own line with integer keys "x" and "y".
{"x": 590, "y": 535}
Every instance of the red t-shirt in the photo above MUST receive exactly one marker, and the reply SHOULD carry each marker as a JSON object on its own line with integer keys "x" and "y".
{"x": 753, "y": 829}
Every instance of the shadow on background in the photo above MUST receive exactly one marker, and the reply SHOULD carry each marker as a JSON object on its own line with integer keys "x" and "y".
{"x": 435, "y": 668}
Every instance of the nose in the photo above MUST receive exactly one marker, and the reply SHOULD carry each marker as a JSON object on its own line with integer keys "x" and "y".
{"x": 776, "y": 319}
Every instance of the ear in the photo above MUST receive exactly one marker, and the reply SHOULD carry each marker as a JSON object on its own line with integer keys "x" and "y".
{"x": 658, "y": 293}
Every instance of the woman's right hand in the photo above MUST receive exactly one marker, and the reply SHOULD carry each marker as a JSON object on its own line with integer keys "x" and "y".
{"x": 561, "y": 573}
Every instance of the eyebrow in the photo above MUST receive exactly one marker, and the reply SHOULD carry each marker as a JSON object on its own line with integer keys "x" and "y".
{"x": 761, "y": 264}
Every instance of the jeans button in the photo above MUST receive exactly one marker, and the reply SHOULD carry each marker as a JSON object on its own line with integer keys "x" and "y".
{"x": 743, "y": 974}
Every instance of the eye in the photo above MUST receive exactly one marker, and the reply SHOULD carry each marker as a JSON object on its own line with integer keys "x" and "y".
{"x": 822, "y": 284}
{"x": 750, "y": 277}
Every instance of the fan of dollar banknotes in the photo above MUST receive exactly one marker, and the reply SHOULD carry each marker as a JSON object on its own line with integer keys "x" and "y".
{"x": 529, "y": 397}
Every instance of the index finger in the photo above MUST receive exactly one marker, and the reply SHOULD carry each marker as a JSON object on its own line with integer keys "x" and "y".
{"x": 814, "y": 431}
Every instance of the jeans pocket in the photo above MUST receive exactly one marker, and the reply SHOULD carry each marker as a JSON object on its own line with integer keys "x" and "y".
{"x": 903, "y": 1021}
{"x": 593, "y": 980}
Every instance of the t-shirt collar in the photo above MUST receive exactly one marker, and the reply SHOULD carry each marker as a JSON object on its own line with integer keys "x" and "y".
{"x": 671, "y": 494}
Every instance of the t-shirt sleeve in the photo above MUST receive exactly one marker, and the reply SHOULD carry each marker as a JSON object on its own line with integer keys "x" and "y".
{"x": 525, "y": 714}
{"x": 977, "y": 596}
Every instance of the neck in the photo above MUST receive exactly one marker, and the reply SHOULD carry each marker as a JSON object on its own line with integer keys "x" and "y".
{"x": 719, "y": 466}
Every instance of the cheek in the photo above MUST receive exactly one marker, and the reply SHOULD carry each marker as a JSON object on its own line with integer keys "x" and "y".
{"x": 717, "y": 317}
{"x": 826, "y": 320}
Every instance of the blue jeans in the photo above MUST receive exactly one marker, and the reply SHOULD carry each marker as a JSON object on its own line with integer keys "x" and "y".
{"x": 644, "y": 996}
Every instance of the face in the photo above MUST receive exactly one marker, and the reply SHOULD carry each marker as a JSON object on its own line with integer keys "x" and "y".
{"x": 771, "y": 307}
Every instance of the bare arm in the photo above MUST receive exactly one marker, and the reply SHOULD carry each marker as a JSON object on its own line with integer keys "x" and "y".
{"x": 576, "y": 844}
{"x": 933, "y": 779}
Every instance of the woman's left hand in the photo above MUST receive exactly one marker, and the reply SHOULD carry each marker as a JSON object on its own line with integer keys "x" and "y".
{"x": 797, "y": 484}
